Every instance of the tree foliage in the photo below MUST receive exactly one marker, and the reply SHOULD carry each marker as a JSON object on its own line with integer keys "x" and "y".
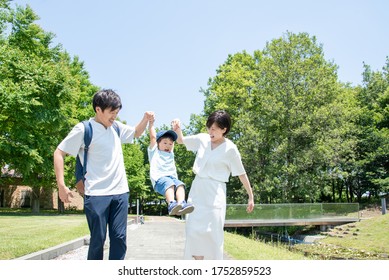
{"x": 42, "y": 93}
{"x": 370, "y": 170}
{"x": 33, "y": 81}
{"x": 293, "y": 121}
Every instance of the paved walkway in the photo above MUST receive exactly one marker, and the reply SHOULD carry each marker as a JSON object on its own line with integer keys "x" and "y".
{"x": 159, "y": 238}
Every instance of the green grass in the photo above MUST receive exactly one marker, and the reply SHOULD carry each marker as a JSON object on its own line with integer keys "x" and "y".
{"x": 244, "y": 248}
{"x": 364, "y": 240}
{"x": 22, "y": 234}
{"x": 370, "y": 235}
{"x": 367, "y": 239}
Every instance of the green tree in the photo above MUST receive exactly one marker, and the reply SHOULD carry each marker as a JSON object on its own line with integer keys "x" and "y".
{"x": 339, "y": 146}
{"x": 184, "y": 161}
{"x": 136, "y": 172}
{"x": 370, "y": 171}
{"x": 39, "y": 88}
{"x": 281, "y": 102}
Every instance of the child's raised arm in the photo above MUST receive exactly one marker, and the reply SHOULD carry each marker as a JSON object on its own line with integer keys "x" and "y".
{"x": 153, "y": 135}
{"x": 176, "y": 126}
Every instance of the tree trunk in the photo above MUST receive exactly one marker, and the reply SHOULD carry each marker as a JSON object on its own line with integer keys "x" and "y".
{"x": 61, "y": 206}
{"x": 340, "y": 192}
{"x": 35, "y": 195}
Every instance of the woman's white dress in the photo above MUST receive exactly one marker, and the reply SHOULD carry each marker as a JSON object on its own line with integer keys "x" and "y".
{"x": 204, "y": 226}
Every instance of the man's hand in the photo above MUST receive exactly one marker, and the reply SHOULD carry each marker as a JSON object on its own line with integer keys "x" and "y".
{"x": 65, "y": 194}
{"x": 80, "y": 187}
{"x": 150, "y": 116}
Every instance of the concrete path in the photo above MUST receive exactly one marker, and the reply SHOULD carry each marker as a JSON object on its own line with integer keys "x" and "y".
{"x": 159, "y": 238}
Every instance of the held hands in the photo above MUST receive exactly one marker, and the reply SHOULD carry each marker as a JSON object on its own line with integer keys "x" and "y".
{"x": 176, "y": 124}
{"x": 149, "y": 116}
{"x": 149, "y": 119}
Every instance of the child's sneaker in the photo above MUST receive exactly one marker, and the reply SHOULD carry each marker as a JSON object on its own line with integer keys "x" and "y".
{"x": 173, "y": 208}
{"x": 186, "y": 208}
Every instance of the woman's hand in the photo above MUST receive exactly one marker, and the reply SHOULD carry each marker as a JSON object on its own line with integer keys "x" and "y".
{"x": 246, "y": 184}
{"x": 250, "y": 205}
{"x": 176, "y": 124}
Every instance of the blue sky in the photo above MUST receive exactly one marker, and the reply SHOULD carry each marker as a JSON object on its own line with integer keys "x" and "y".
{"x": 158, "y": 54}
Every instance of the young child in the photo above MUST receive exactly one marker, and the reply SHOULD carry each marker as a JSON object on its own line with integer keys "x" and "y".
{"x": 163, "y": 172}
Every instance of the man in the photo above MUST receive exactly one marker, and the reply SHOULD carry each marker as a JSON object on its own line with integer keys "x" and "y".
{"x": 106, "y": 188}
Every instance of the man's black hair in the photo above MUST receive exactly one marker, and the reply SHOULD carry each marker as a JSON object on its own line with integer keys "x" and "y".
{"x": 106, "y": 98}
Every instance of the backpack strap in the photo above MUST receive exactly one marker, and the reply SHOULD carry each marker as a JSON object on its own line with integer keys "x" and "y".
{"x": 88, "y": 133}
{"x": 80, "y": 169}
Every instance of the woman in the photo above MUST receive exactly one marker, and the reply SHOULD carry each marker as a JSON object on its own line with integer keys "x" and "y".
{"x": 216, "y": 159}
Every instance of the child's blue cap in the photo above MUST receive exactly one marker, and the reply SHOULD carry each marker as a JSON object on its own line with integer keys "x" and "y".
{"x": 167, "y": 133}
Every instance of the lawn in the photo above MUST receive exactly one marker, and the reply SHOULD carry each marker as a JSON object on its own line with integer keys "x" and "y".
{"x": 244, "y": 248}
{"x": 23, "y": 234}
{"x": 364, "y": 240}
{"x": 367, "y": 239}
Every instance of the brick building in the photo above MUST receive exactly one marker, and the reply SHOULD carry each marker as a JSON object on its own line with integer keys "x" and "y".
{"x": 13, "y": 194}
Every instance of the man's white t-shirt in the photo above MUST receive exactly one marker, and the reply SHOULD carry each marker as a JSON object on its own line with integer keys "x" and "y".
{"x": 105, "y": 174}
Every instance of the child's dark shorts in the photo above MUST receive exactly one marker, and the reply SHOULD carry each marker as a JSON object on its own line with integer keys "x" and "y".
{"x": 166, "y": 182}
